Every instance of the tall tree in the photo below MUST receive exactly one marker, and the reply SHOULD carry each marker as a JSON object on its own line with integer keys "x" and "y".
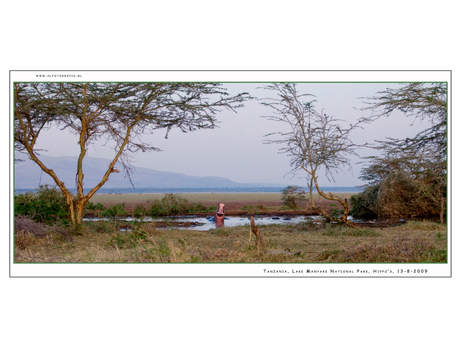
{"x": 119, "y": 112}
{"x": 410, "y": 175}
{"x": 312, "y": 140}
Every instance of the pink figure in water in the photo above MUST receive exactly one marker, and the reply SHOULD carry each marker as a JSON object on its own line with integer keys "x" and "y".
{"x": 220, "y": 215}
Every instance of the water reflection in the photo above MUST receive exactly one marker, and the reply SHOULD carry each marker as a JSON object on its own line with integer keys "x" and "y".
{"x": 219, "y": 222}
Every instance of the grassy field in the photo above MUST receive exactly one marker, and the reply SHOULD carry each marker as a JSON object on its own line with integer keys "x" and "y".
{"x": 197, "y": 197}
{"x": 236, "y": 203}
{"x": 192, "y": 197}
{"x": 305, "y": 242}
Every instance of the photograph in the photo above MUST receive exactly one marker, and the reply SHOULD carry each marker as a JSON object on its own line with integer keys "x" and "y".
{"x": 230, "y": 174}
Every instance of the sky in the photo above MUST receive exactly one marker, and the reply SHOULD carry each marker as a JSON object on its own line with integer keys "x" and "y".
{"x": 236, "y": 149}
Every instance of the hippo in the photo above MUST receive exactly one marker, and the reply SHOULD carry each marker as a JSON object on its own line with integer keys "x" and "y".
{"x": 220, "y": 215}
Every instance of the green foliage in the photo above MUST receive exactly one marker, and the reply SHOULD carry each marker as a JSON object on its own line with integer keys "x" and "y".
{"x": 334, "y": 212}
{"x": 292, "y": 196}
{"x": 113, "y": 111}
{"x": 47, "y": 205}
{"x": 172, "y": 204}
{"x": 140, "y": 211}
{"x": 401, "y": 194}
{"x": 90, "y": 206}
{"x": 364, "y": 203}
{"x": 116, "y": 210}
{"x": 418, "y": 100}
{"x": 409, "y": 178}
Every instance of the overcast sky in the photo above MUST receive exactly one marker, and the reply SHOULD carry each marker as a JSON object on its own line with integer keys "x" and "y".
{"x": 236, "y": 150}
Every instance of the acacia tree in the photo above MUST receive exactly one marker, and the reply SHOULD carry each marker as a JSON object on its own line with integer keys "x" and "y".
{"x": 418, "y": 100}
{"x": 312, "y": 140}
{"x": 292, "y": 195}
{"x": 116, "y": 112}
{"x": 405, "y": 182}
{"x": 418, "y": 163}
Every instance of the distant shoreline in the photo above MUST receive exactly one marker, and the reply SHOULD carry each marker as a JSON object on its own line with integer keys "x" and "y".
{"x": 202, "y": 190}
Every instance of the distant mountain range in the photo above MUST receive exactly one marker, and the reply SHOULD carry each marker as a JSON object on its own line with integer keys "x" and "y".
{"x": 29, "y": 176}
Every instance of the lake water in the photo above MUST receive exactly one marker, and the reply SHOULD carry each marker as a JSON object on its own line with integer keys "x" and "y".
{"x": 238, "y": 221}
{"x": 205, "y": 223}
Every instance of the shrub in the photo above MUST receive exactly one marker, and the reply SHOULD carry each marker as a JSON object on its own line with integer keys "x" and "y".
{"x": 90, "y": 206}
{"x": 398, "y": 195}
{"x": 172, "y": 204}
{"x": 140, "y": 211}
{"x": 364, "y": 204}
{"x": 116, "y": 210}
{"x": 292, "y": 196}
{"x": 47, "y": 205}
{"x": 334, "y": 212}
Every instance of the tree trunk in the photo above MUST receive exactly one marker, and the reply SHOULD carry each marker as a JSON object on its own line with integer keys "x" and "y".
{"x": 258, "y": 233}
{"x": 343, "y": 202}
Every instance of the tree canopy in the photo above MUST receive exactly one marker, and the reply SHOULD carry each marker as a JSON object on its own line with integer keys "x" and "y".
{"x": 122, "y": 113}
{"x": 418, "y": 100}
{"x": 409, "y": 176}
{"x": 313, "y": 140}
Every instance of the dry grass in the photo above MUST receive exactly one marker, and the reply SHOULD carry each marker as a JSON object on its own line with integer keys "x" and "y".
{"x": 305, "y": 242}
{"x": 207, "y": 199}
{"x": 192, "y": 197}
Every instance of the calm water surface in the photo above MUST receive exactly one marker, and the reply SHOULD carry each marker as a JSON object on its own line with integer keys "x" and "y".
{"x": 205, "y": 223}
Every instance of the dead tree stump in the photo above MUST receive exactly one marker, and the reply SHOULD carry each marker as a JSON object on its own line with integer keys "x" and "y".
{"x": 258, "y": 233}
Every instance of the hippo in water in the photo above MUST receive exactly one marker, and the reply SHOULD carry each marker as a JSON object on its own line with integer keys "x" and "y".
{"x": 220, "y": 215}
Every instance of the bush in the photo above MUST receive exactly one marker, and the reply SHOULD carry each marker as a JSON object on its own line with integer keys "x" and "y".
{"x": 172, "y": 205}
{"x": 292, "y": 196}
{"x": 116, "y": 210}
{"x": 364, "y": 204}
{"x": 140, "y": 211}
{"x": 47, "y": 205}
{"x": 398, "y": 195}
{"x": 90, "y": 206}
